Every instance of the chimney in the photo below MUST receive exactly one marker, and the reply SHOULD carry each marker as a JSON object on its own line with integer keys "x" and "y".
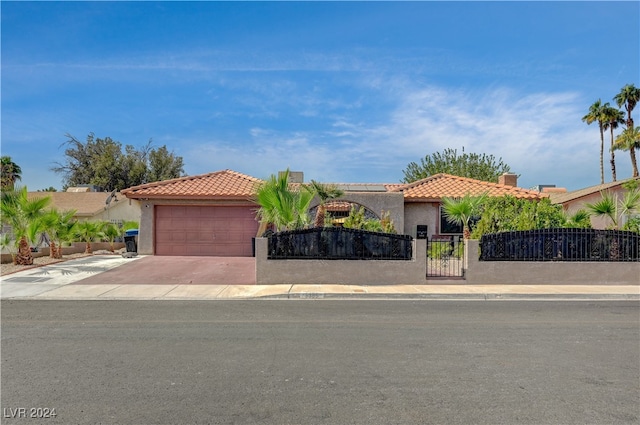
{"x": 294, "y": 176}
{"x": 508, "y": 179}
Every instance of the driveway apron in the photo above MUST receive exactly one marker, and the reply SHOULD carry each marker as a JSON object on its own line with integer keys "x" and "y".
{"x": 161, "y": 270}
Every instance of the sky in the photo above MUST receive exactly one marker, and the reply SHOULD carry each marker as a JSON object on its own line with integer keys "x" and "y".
{"x": 346, "y": 92}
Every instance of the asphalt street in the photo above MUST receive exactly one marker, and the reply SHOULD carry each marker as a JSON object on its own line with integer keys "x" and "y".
{"x": 320, "y": 362}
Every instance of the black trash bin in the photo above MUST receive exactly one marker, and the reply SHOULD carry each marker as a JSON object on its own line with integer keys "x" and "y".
{"x": 130, "y": 240}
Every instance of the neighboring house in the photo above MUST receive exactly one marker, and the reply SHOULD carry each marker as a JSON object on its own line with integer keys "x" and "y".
{"x": 93, "y": 205}
{"x": 214, "y": 214}
{"x": 577, "y": 199}
{"x": 89, "y": 205}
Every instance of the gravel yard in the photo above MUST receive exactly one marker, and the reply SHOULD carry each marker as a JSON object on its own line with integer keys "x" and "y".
{"x": 8, "y": 268}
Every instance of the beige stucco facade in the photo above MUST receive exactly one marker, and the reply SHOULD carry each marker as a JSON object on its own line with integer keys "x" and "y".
{"x": 123, "y": 210}
{"x": 421, "y": 213}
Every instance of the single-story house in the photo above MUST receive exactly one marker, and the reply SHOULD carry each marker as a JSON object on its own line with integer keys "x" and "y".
{"x": 92, "y": 205}
{"x": 577, "y": 199}
{"x": 214, "y": 214}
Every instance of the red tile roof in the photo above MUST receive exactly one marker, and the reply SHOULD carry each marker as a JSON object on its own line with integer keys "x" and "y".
{"x": 226, "y": 184}
{"x": 438, "y": 186}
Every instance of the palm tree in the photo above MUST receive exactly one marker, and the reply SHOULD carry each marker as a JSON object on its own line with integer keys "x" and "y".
{"x": 87, "y": 232}
{"x": 580, "y": 220}
{"x": 111, "y": 231}
{"x": 281, "y": 204}
{"x": 23, "y": 214}
{"x": 461, "y": 210}
{"x": 629, "y": 96}
{"x": 610, "y": 206}
{"x": 629, "y": 140}
{"x": 596, "y": 114}
{"x": 612, "y": 119}
{"x": 59, "y": 226}
{"x": 325, "y": 192}
{"x": 11, "y": 173}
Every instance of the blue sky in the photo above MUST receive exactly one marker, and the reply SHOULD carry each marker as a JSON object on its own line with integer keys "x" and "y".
{"x": 346, "y": 92}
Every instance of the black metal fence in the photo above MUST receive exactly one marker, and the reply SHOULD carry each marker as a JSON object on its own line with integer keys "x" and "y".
{"x": 337, "y": 243}
{"x": 445, "y": 257}
{"x": 561, "y": 245}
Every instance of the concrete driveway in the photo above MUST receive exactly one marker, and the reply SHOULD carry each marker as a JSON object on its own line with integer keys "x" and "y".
{"x": 159, "y": 270}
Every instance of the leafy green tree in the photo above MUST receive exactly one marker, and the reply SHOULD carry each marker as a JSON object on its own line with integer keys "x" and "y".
{"x": 103, "y": 163}
{"x": 597, "y": 114}
{"x": 613, "y": 118}
{"x": 163, "y": 165}
{"x": 283, "y": 205}
{"x": 472, "y": 165}
{"x": 10, "y": 173}
{"x": 325, "y": 192}
{"x": 49, "y": 189}
{"x": 23, "y": 215}
{"x": 629, "y": 140}
{"x": 508, "y": 213}
{"x": 357, "y": 219}
{"x": 460, "y": 211}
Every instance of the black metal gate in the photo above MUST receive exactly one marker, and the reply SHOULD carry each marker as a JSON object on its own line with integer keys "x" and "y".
{"x": 445, "y": 257}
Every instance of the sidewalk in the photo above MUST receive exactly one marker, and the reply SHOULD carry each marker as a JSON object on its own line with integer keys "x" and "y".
{"x": 56, "y": 282}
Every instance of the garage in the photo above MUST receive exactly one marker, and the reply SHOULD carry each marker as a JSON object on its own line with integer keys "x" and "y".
{"x": 204, "y": 230}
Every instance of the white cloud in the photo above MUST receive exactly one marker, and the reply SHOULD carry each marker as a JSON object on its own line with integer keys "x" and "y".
{"x": 539, "y": 135}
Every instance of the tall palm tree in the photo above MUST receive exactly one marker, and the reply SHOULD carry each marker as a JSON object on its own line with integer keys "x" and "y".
{"x": 11, "y": 173}
{"x": 596, "y": 115}
{"x": 629, "y": 96}
{"x": 23, "y": 215}
{"x": 461, "y": 210}
{"x": 629, "y": 140}
{"x": 325, "y": 192}
{"x": 612, "y": 119}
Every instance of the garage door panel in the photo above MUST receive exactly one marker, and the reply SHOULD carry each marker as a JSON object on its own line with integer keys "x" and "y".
{"x": 204, "y": 230}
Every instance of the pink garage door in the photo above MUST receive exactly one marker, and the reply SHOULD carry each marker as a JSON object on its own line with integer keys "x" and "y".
{"x": 203, "y": 230}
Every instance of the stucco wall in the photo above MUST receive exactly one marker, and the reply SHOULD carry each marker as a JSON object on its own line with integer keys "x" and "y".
{"x": 125, "y": 210}
{"x": 348, "y": 272}
{"x": 546, "y": 272}
{"x": 421, "y": 213}
{"x": 572, "y": 207}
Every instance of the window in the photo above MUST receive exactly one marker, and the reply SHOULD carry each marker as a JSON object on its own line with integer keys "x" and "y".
{"x": 448, "y": 228}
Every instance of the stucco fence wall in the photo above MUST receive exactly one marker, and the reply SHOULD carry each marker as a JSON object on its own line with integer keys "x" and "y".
{"x": 546, "y": 272}
{"x": 343, "y": 272}
{"x": 413, "y": 272}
